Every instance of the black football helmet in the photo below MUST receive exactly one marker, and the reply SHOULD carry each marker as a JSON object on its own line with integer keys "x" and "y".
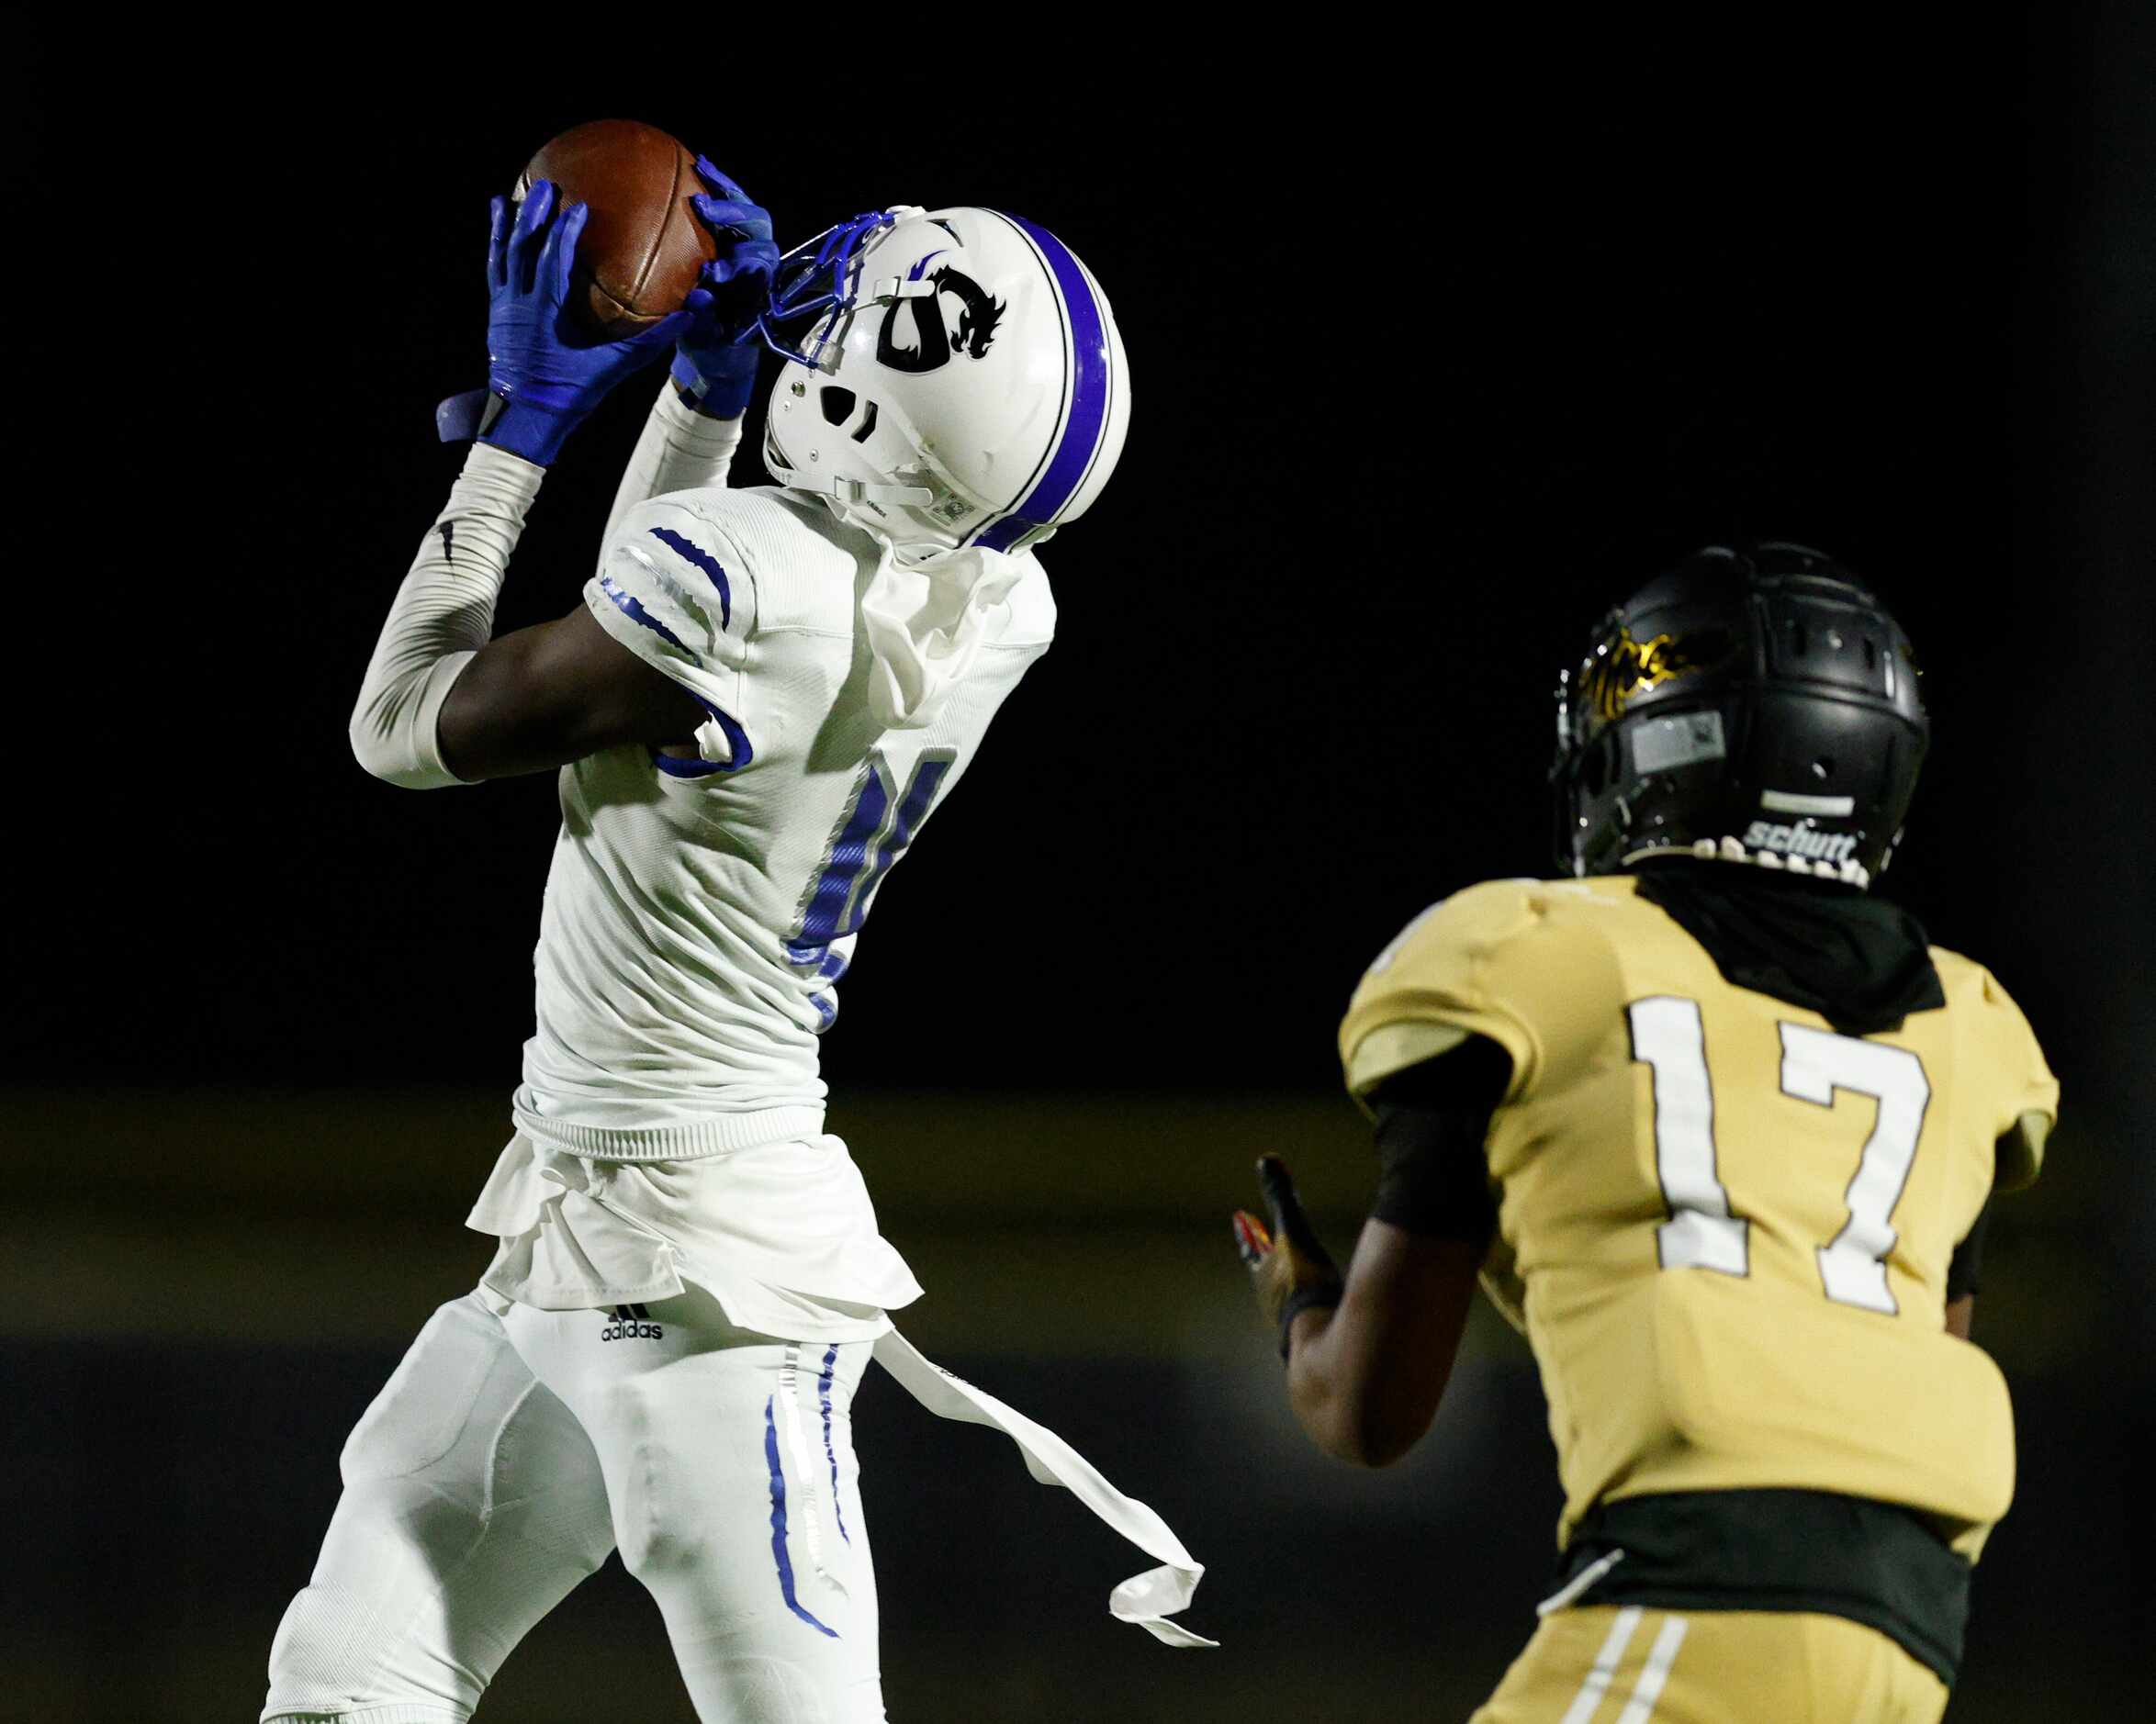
{"x": 1755, "y": 706}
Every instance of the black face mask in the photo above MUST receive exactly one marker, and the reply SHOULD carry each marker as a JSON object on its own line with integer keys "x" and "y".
{"x": 1862, "y": 964}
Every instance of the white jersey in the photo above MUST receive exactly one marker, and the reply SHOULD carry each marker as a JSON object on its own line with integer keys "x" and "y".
{"x": 700, "y": 911}
{"x": 701, "y": 908}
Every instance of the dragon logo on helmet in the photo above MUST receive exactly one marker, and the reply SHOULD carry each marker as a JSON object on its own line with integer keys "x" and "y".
{"x": 980, "y": 312}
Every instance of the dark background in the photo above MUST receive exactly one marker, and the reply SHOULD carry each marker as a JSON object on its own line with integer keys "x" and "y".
{"x": 1431, "y": 364}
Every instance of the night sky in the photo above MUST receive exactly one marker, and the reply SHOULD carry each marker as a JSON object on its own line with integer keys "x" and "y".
{"x": 1426, "y": 373}
{"x": 1439, "y": 345}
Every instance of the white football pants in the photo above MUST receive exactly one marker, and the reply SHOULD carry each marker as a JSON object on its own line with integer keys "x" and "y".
{"x": 508, "y": 1455}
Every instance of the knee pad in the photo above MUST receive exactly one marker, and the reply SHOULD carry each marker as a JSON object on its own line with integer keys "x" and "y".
{"x": 327, "y": 1663}
{"x": 766, "y": 1691}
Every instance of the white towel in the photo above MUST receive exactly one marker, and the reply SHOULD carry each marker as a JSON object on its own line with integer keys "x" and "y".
{"x": 929, "y": 613}
{"x": 1146, "y": 1599}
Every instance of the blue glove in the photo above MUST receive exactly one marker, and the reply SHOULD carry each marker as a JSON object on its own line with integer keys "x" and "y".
{"x": 544, "y": 375}
{"x": 714, "y": 364}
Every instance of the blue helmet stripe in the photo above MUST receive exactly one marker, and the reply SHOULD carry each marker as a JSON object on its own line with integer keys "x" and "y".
{"x": 1086, "y": 422}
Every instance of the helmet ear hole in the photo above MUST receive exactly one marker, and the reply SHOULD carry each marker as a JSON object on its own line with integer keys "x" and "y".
{"x": 837, "y": 402}
{"x": 868, "y": 426}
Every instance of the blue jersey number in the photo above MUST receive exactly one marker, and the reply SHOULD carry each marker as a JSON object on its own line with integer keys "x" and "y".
{"x": 875, "y": 828}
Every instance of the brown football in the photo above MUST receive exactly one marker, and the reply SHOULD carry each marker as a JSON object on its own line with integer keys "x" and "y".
{"x": 642, "y": 245}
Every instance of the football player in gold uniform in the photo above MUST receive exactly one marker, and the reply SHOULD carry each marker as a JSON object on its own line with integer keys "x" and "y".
{"x": 1717, "y": 1129}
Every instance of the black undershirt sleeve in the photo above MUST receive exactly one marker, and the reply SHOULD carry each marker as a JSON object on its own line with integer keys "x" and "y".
{"x": 1965, "y": 1268}
{"x": 1432, "y": 1119}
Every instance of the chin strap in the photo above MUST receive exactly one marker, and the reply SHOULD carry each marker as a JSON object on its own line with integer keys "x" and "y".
{"x": 846, "y": 490}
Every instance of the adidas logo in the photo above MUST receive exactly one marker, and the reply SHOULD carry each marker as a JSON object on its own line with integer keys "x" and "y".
{"x": 631, "y": 1322}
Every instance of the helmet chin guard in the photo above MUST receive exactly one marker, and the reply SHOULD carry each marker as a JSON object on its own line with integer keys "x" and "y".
{"x": 1752, "y": 706}
{"x": 962, "y": 383}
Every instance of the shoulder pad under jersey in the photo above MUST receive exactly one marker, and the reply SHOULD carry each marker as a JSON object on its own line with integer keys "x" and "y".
{"x": 2004, "y": 1058}
{"x": 673, "y": 587}
{"x": 1461, "y": 968}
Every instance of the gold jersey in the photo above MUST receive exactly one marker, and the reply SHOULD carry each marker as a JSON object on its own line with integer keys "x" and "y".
{"x": 1723, "y": 1228}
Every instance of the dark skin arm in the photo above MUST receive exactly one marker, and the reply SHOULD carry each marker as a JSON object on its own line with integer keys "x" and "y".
{"x": 2017, "y": 1156}
{"x": 1369, "y": 1353}
{"x": 539, "y": 698}
{"x": 1364, "y": 1379}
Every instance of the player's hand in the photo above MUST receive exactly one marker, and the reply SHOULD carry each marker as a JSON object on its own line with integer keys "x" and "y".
{"x": 1290, "y": 1270}
{"x": 545, "y": 373}
{"x": 715, "y": 359}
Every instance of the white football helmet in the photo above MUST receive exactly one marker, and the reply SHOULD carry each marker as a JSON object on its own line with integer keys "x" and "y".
{"x": 963, "y": 384}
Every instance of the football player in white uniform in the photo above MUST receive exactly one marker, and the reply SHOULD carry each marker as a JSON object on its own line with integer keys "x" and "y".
{"x": 763, "y": 697}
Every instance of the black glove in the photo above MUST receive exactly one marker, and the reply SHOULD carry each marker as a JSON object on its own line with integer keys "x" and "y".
{"x": 1291, "y": 1272}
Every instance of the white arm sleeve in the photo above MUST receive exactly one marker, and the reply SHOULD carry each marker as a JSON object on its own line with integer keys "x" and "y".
{"x": 680, "y": 450}
{"x": 443, "y": 613}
